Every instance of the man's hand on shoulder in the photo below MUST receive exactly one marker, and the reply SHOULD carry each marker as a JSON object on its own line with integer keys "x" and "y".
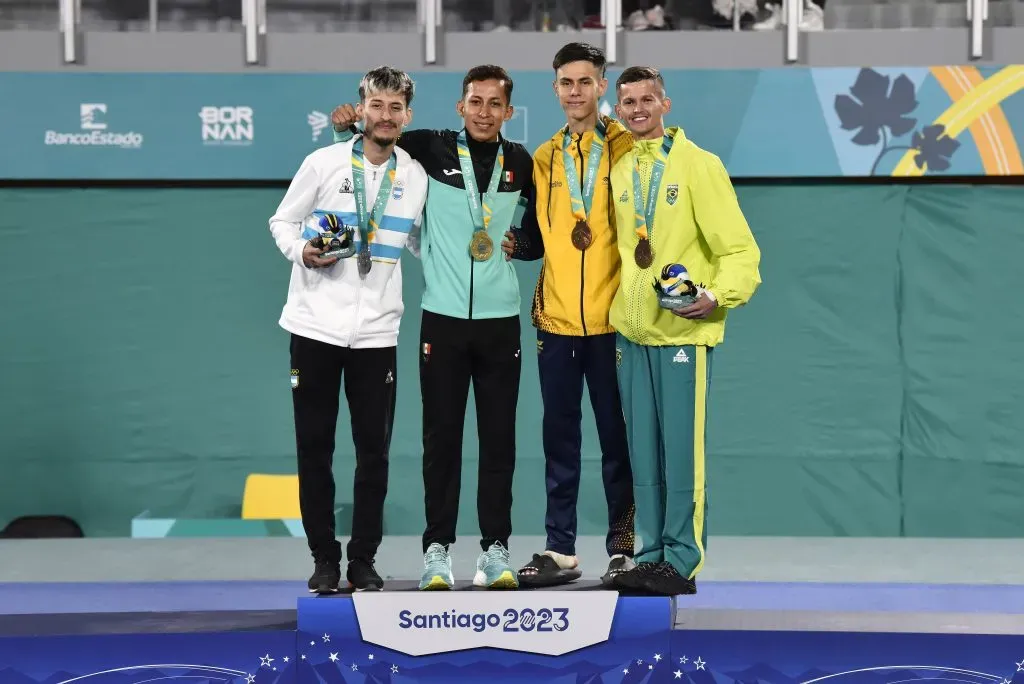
{"x": 311, "y": 256}
{"x": 343, "y": 116}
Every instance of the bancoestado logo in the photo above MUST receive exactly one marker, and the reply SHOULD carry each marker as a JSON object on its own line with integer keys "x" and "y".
{"x": 546, "y": 623}
{"x": 94, "y": 131}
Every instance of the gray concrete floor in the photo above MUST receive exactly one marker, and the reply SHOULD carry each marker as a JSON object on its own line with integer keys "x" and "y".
{"x": 736, "y": 559}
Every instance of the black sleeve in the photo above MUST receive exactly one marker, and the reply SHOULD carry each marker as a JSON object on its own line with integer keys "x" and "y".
{"x": 417, "y": 143}
{"x": 529, "y": 245}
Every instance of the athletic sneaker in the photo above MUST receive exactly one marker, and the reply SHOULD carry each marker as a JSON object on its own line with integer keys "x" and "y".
{"x": 617, "y": 565}
{"x": 437, "y": 569}
{"x": 362, "y": 576}
{"x": 325, "y": 578}
{"x": 493, "y": 570}
{"x": 661, "y": 579}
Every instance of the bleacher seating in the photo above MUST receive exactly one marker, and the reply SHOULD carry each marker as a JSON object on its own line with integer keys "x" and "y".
{"x": 401, "y": 15}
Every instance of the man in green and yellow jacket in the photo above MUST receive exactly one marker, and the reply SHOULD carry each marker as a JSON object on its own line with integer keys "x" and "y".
{"x": 679, "y": 226}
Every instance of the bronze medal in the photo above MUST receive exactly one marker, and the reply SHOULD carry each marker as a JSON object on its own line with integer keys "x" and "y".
{"x": 582, "y": 237}
{"x": 642, "y": 254}
{"x": 481, "y": 247}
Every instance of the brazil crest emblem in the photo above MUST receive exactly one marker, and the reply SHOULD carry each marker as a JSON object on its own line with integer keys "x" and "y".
{"x": 672, "y": 194}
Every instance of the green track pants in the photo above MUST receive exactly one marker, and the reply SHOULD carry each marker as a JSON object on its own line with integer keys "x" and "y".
{"x": 664, "y": 400}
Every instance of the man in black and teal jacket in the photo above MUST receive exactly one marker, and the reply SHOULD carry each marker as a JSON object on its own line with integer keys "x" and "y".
{"x": 479, "y": 185}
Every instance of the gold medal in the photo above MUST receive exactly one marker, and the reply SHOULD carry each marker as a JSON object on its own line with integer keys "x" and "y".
{"x": 481, "y": 247}
{"x": 582, "y": 237}
{"x": 642, "y": 254}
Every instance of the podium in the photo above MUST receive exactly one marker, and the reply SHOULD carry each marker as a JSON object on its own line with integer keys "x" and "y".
{"x": 484, "y": 636}
{"x": 242, "y": 632}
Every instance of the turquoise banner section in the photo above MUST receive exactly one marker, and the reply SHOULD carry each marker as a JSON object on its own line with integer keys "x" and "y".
{"x": 795, "y": 122}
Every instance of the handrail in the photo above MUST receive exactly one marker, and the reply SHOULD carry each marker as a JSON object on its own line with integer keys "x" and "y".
{"x": 254, "y": 24}
{"x": 793, "y": 11}
{"x": 977, "y": 15}
{"x": 611, "y": 10}
{"x": 429, "y": 18}
{"x": 70, "y": 16}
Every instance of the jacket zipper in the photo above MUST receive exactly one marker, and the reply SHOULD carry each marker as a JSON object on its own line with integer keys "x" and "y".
{"x": 583, "y": 254}
{"x": 472, "y": 271}
{"x": 355, "y": 320}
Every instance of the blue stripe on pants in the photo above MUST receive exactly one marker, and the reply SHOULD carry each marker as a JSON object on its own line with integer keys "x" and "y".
{"x": 564, "y": 363}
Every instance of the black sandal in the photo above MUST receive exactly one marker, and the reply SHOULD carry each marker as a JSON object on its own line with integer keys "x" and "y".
{"x": 546, "y": 572}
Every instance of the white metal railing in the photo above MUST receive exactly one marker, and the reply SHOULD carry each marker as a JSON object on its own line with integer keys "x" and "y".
{"x": 428, "y": 14}
{"x": 611, "y": 15}
{"x": 977, "y": 15}
{"x": 70, "y": 18}
{"x": 254, "y": 24}
{"x": 429, "y": 19}
{"x": 793, "y": 13}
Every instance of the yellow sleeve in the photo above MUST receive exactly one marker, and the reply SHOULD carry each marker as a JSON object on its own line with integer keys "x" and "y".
{"x": 721, "y": 222}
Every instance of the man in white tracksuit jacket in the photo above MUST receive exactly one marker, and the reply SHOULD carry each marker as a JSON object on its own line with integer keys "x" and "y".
{"x": 344, "y": 314}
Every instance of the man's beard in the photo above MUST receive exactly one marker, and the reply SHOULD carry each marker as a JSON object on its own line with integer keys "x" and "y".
{"x": 383, "y": 139}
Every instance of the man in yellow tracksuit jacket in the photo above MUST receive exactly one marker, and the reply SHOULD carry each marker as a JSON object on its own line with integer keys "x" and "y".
{"x": 675, "y": 205}
{"x": 575, "y": 341}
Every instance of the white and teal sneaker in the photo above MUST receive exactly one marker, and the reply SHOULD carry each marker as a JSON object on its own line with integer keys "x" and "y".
{"x": 493, "y": 570}
{"x": 437, "y": 569}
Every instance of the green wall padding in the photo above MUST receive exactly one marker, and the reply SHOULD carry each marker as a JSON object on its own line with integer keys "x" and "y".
{"x": 870, "y": 388}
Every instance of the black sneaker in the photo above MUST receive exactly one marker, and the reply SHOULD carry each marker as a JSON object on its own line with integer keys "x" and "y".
{"x": 362, "y": 576}
{"x": 635, "y": 580}
{"x": 663, "y": 579}
{"x": 326, "y": 577}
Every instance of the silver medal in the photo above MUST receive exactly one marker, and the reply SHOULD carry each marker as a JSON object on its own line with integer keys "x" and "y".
{"x": 364, "y": 261}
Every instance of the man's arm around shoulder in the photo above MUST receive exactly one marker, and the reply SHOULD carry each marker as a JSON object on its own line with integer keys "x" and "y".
{"x": 416, "y": 142}
{"x": 525, "y": 243}
{"x": 415, "y": 240}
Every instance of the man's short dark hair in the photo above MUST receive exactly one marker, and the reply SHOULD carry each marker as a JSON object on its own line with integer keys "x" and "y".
{"x": 388, "y": 80}
{"x": 636, "y": 74}
{"x": 485, "y": 72}
{"x": 580, "y": 52}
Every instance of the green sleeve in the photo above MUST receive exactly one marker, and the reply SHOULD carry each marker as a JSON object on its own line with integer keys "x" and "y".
{"x": 344, "y": 135}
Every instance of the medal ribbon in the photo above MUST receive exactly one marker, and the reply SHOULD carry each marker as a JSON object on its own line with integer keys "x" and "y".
{"x": 643, "y": 213}
{"x": 481, "y": 212}
{"x": 368, "y": 223}
{"x": 581, "y": 201}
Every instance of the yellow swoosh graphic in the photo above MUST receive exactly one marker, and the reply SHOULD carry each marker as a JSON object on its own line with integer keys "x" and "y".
{"x": 970, "y": 108}
{"x": 992, "y": 134}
